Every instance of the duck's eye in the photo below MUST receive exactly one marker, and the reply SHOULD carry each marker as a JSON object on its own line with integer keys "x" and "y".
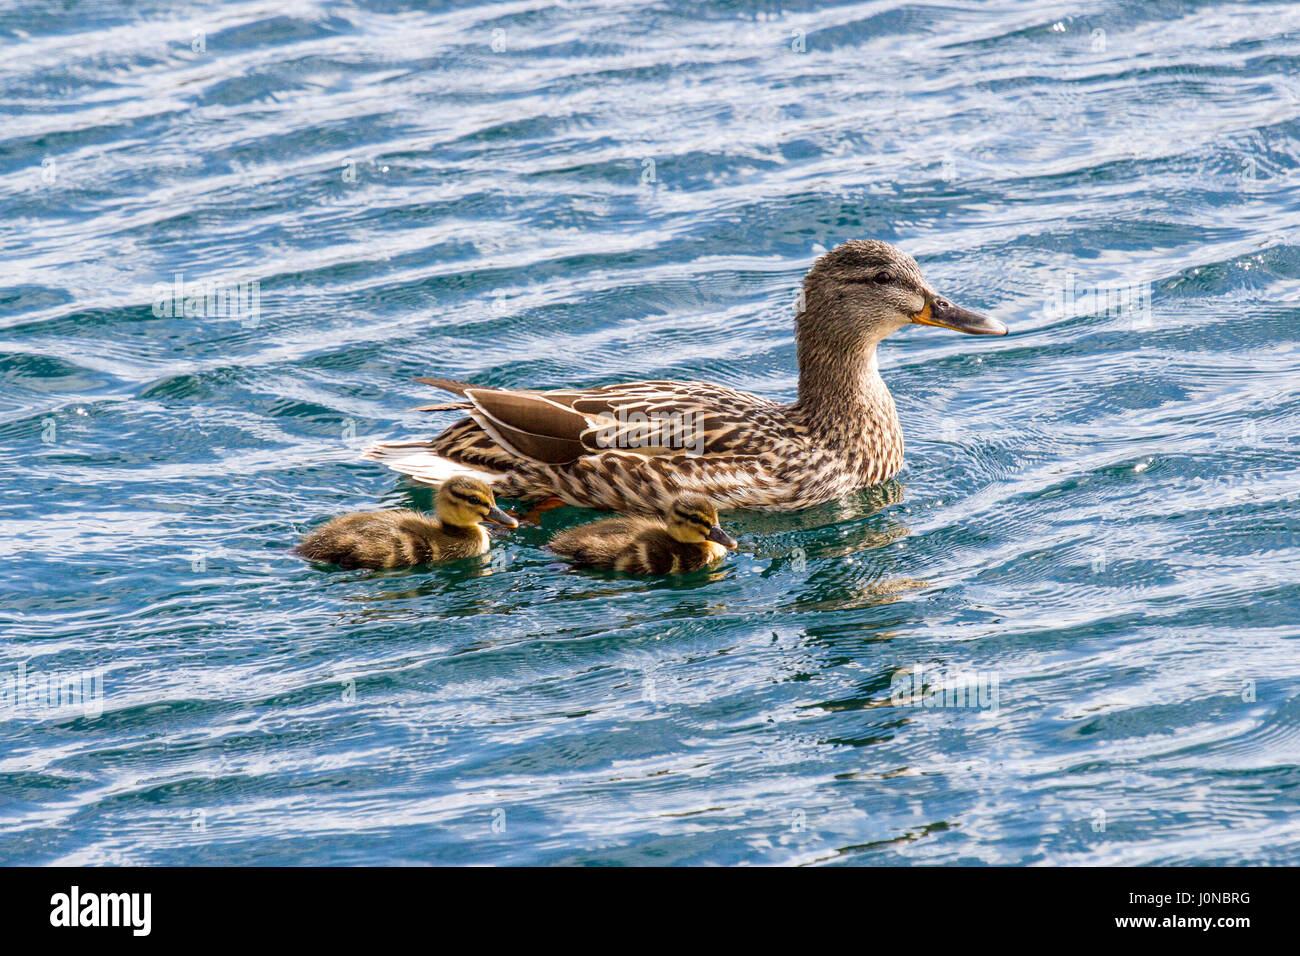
{"x": 882, "y": 278}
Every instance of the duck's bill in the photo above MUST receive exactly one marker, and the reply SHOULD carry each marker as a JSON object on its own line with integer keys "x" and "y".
{"x": 945, "y": 315}
{"x": 721, "y": 537}
{"x": 497, "y": 516}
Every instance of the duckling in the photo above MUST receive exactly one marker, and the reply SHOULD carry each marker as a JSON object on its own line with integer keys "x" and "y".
{"x": 689, "y": 539}
{"x": 403, "y": 539}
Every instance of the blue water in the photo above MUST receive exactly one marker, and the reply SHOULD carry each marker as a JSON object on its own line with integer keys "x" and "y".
{"x": 1097, "y": 518}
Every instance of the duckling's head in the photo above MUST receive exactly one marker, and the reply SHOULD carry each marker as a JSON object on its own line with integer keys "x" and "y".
{"x": 692, "y": 519}
{"x": 865, "y": 289}
{"x": 464, "y": 502}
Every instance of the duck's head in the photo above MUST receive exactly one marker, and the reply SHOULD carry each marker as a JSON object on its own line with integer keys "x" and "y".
{"x": 464, "y": 502}
{"x": 692, "y": 519}
{"x": 865, "y": 289}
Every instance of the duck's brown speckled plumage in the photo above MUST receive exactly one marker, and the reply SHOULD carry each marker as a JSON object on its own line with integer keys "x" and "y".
{"x": 622, "y": 447}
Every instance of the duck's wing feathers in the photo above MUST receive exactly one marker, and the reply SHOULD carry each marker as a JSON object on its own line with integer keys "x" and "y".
{"x": 647, "y": 419}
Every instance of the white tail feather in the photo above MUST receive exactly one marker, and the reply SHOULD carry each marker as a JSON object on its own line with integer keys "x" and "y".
{"x": 414, "y": 459}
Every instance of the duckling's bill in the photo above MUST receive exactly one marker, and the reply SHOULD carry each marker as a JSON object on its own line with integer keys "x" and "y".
{"x": 946, "y": 315}
{"x": 497, "y": 516}
{"x": 716, "y": 534}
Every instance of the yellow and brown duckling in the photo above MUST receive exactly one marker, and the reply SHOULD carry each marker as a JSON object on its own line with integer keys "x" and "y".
{"x": 688, "y": 539}
{"x": 403, "y": 539}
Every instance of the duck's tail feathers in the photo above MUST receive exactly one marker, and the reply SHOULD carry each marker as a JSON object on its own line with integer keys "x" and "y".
{"x": 414, "y": 458}
{"x": 447, "y": 385}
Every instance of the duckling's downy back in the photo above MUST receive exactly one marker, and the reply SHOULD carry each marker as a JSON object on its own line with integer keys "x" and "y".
{"x": 390, "y": 539}
{"x": 599, "y": 544}
{"x": 643, "y": 546}
{"x": 404, "y": 539}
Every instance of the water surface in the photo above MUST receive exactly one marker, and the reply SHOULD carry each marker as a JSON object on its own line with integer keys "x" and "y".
{"x": 1097, "y": 515}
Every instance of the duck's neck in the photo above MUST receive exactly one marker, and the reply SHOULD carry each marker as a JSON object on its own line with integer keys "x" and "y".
{"x": 843, "y": 400}
{"x": 457, "y": 530}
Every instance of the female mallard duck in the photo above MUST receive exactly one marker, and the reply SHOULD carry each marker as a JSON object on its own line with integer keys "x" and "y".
{"x": 634, "y": 447}
{"x": 403, "y": 539}
{"x": 688, "y": 539}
